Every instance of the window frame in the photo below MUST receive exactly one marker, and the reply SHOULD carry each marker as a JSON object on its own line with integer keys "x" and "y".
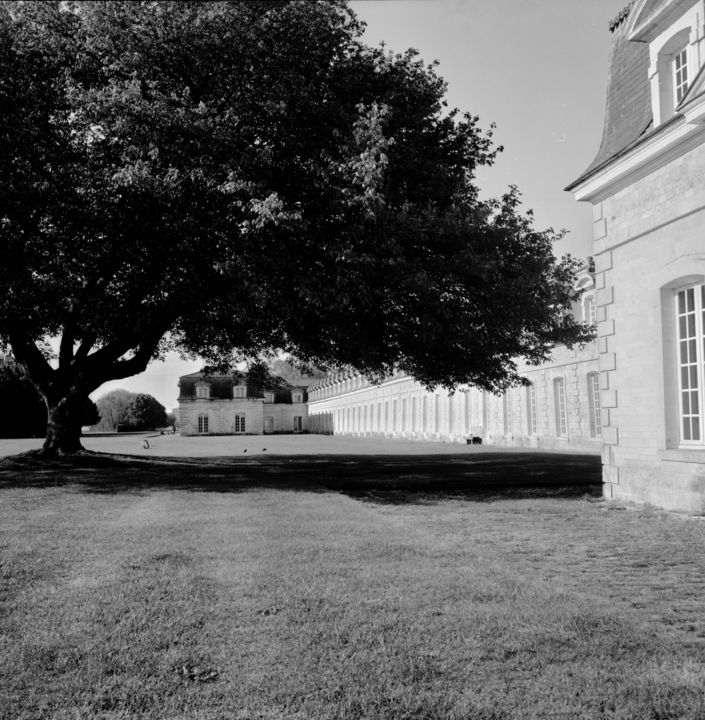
{"x": 680, "y": 86}
{"x": 694, "y": 345}
{"x": 298, "y": 423}
{"x": 203, "y": 424}
{"x": 560, "y": 407}
{"x": 203, "y": 391}
{"x": 594, "y": 406}
{"x": 240, "y": 423}
{"x": 531, "y": 412}
{"x": 239, "y": 392}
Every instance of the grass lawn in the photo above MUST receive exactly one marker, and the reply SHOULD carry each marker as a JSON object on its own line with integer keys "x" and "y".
{"x": 447, "y": 584}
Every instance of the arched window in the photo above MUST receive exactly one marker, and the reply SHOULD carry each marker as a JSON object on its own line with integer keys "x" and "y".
{"x": 690, "y": 328}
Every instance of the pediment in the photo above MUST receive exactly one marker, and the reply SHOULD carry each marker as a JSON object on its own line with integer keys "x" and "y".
{"x": 649, "y": 18}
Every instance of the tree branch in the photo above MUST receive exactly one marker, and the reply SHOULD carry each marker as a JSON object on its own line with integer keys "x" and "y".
{"x": 31, "y": 359}
{"x": 66, "y": 346}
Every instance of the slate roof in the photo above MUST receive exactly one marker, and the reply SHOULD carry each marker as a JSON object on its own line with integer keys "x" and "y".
{"x": 628, "y": 116}
{"x": 221, "y": 387}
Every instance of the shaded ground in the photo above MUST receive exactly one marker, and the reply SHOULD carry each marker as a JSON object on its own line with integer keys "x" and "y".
{"x": 351, "y": 465}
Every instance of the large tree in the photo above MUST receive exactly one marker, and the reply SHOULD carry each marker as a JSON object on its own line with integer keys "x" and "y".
{"x": 233, "y": 177}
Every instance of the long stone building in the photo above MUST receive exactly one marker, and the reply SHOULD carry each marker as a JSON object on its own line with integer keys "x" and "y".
{"x": 647, "y": 189}
{"x": 559, "y": 410}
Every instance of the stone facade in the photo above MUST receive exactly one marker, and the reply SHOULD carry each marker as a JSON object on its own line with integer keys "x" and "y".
{"x": 560, "y": 410}
{"x": 226, "y": 405}
{"x": 647, "y": 188}
{"x": 348, "y": 404}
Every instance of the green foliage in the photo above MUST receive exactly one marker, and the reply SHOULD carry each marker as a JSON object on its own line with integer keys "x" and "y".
{"x": 121, "y": 410}
{"x": 231, "y": 178}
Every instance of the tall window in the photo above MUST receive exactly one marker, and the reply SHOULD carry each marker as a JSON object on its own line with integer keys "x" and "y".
{"x": 298, "y": 423}
{"x": 239, "y": 423}
{"x": 690, "y": 311}
{"x": 590, "y": 310}
{"x": 203, "y": 424}
{"x": 531, "y": 424}
{"x": 560, "y": 406}
{"x": 593, "y": 380}
{"x": 680, "y": 74}
{"x": 506, "y": 413}
{"x": 486, "y": 412}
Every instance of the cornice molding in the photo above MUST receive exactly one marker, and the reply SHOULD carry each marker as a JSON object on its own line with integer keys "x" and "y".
{"x": 668, "y": 142}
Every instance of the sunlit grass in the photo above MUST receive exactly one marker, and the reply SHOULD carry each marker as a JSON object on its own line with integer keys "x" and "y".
{"x": 263, "y": 602}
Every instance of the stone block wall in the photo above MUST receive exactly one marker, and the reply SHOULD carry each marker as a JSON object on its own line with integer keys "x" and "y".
{"x": 650, "y": 240}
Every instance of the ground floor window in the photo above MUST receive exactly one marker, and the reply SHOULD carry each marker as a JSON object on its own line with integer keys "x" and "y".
{"x": 298, "y": 423}
{"x": 531, "y": 409}
{"x": 594, "y": 404}
{"x": 203, "y": 424}
{"x": 269, "y": 424}
{"x": 239, "y": 423}
{"x": 690, "y": 318}
{"x": 560, "y": 406}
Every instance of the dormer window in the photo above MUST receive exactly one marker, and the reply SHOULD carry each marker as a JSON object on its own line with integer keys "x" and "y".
{"x": 680, "y": 74}
{"x": 297, "y": 396}
{"x": 269, "y": 397}
{"x": 203, "y": 391}
{"x": 240, "y": 391}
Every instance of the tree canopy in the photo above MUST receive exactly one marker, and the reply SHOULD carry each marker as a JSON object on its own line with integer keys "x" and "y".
{"x": 231, "y": 178}
{"x": 121, "y": 410}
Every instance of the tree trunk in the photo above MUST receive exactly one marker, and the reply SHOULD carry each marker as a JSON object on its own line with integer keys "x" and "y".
{"x": 64, "y": 416}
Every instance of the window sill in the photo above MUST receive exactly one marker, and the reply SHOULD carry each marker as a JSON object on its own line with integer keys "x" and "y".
{"x": 689, "y": 455}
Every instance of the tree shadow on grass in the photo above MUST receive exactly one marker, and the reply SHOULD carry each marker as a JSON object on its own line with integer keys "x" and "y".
{"x": 485, "y": 476}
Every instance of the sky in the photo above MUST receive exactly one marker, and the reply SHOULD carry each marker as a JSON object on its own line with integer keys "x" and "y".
{"x": 537, "y": 69}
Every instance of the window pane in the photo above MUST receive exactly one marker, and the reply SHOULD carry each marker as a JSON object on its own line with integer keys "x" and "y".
{"x": 696, "y": 428}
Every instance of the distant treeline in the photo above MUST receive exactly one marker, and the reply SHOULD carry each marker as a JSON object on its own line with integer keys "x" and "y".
{"x": 123, "y": 411}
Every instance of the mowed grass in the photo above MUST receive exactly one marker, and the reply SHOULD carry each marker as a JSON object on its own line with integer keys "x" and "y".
{"x": 476, "y": 585}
